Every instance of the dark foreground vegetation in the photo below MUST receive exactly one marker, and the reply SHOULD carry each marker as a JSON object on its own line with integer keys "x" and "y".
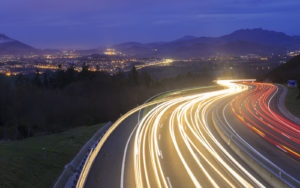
{"x": 292, "y": 101}
{"x": 285, "y": 72}
{"x": 52, "y": 102}
{"x": 38, "y": 161}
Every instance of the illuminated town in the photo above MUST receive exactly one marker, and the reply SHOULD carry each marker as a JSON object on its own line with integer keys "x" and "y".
{"x": 113, "y": 61}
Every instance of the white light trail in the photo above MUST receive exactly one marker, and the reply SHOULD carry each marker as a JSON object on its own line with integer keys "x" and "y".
{"x": 180, "y": 125}
{"x": 185, "y": 119}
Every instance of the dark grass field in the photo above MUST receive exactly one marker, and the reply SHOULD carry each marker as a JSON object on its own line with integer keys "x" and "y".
{"x": 38, "y": 161}
{"x": 291, "y": 101}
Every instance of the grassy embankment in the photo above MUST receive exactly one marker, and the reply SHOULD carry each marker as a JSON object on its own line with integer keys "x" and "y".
{"x": 291, "y": 101}
{"x": 38, "y": 161}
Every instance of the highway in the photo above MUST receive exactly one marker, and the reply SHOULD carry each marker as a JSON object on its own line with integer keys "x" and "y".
{"x": 181, "y": 142}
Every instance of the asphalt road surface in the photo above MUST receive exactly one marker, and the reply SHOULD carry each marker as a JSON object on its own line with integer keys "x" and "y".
{"x": 176, "y": 144}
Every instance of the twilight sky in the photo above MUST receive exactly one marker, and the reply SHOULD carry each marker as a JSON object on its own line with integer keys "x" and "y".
{"x": 92, "y": 23}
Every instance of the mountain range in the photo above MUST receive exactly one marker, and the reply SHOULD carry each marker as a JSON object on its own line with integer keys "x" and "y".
{"x": 10, "y": 46}
{"x": 241, "y": 42}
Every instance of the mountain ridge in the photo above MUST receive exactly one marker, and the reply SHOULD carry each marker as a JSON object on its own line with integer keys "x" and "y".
{"x": 240, "y": 42}
{"x": 9, "y": 46}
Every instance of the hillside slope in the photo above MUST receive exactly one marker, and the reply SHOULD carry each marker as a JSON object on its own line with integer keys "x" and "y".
{"x": 286, "y": 71}
{"x": 9, "y": 46}
{"x": 38, "y": 161}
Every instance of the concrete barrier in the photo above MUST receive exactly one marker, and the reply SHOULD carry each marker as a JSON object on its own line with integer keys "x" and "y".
{"x": 71, "y": 171}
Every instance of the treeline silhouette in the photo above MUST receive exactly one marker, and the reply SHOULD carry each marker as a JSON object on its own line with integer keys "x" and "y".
{"x": 51, "y": 102}
{"x": 287, "y": 71}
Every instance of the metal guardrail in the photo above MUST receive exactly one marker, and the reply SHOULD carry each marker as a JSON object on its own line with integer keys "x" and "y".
{"x": 72, "y": 170}
{"x": 259, "y": 158}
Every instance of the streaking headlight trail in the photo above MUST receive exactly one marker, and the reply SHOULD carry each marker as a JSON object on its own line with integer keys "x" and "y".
{"x": 190, "y": 143}
{"x": 177, "y": 144}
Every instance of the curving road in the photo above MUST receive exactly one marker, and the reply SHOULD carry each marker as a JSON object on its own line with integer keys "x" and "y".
{"x": 190, "y": 140}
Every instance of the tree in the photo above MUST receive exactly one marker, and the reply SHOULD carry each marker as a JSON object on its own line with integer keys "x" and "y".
{"x": 46, "y": 79}
{"x": 85, "y": 73}
{"x": 70, "y": 74}
{"x": 20, "y": 80}
{"x": 58, "y": 79}
{"x": 133, "y": 76}
{"x": 146, "y": 78}
{"x": 37, "y": 78}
